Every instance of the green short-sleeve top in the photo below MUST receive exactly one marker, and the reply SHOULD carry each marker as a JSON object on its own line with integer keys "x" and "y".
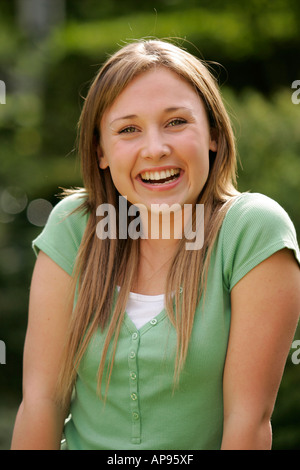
{"x": 142, "y": 411}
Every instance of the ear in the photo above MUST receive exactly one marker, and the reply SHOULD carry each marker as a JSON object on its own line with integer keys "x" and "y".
{"x": 213, "y": 142}
{"x": 102, "y": 160}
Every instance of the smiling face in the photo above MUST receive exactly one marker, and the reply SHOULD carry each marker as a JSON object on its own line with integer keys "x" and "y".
{"x": 155, "y": 139}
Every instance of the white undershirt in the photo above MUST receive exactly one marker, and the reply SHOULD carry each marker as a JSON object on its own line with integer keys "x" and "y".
{"x": 142, "y": 308}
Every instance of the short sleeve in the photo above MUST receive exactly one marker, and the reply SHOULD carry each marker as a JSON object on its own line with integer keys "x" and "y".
{"x": 62, "y": 234}
{"x": 255, "y": 227}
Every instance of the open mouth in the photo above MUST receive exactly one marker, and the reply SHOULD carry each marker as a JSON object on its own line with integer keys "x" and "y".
{"x": 160, "y": 177}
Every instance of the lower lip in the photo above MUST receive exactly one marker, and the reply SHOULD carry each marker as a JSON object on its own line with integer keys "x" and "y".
{"x": 161, "y": 187}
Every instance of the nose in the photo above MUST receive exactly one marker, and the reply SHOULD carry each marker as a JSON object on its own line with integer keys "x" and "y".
{"x": 154, "y": 146}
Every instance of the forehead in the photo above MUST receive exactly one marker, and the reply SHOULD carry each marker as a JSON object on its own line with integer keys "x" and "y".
{"x": 158, "y": 86}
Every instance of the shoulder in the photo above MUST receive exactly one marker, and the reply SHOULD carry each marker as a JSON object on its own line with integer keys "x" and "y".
{"x": 70, "y": 205}
{"x": 69, "y": 214}
{"x": 257, "y": 214}
{"x": 254, "y": 228}
{"x": 63, "y": 232}
{"x": 255, "y": 205}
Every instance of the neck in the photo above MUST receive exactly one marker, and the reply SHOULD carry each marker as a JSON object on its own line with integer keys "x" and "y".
{"x": 154, "y": 263}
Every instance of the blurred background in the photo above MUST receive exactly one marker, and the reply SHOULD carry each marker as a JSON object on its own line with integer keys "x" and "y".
{"x": 49, "y": 52}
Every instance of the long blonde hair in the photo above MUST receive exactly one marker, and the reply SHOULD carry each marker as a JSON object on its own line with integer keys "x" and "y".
{"x": 102, "y": 264}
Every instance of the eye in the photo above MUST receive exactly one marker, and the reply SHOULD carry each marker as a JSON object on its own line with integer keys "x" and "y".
{"x": 176, "y": 122}
{"x": 128, "y": 130}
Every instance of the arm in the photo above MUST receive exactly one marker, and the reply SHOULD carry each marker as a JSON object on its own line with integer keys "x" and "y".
{"x": 265, "y": 311}
{"x": 40, "y": 420}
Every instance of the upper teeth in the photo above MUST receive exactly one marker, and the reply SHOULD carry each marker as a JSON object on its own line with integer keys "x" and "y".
{"x": 159, "y": 175}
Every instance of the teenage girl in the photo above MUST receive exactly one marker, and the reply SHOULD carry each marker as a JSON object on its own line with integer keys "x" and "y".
{"x": 142, "y": 342}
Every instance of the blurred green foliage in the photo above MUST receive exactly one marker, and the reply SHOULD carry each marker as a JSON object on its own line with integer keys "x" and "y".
{"x": 46, "y": 75}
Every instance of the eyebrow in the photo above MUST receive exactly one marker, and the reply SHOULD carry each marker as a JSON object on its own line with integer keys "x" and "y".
{"x": 167, "y": 110}
{"x": 123, "y": 118}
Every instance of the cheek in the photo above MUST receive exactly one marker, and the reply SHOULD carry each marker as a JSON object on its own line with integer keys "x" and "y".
{"x": 120, "y": 169}
{"x": 118, "y": 175}
{"x": 197, "y": 165}
{"x": 197, "y": 153}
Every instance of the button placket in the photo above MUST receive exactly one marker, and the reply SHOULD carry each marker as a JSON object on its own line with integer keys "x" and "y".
{"x": 133, "y": 388}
